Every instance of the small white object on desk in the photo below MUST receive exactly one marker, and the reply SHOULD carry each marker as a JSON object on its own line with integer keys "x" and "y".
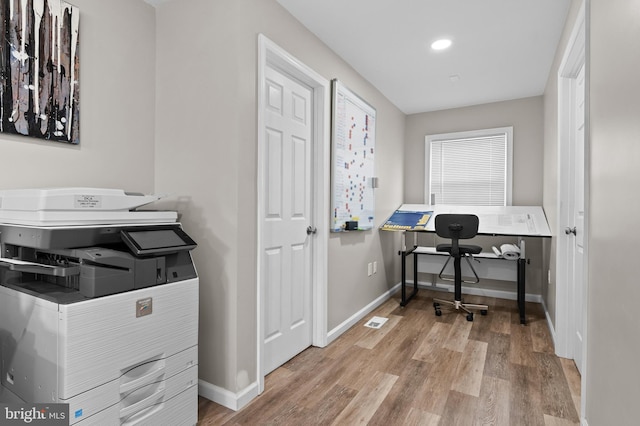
{"x": 507, "y": 251}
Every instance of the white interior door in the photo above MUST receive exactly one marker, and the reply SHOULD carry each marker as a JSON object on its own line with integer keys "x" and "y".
{"x": 572, "y": 233}
{"x": 577, "y": 213}
{"x": 572, "y": 282}
{"x": 287, "y": 224}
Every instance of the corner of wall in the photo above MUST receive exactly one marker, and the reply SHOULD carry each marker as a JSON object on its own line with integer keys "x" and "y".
{"x": 232, "y": 400}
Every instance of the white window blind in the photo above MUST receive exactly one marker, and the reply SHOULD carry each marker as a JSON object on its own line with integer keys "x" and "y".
{"x": 470, "y": 168}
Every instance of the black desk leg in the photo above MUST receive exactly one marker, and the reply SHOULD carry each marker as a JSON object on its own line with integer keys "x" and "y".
{"x": 406, "y": 300}
{"x": 404, "y": 279}
{"x": 415, "y": 274}
{"x": 521, "y": 290}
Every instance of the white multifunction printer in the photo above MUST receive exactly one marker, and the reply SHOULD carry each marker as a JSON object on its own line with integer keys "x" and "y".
{"x": 98, "y": 307}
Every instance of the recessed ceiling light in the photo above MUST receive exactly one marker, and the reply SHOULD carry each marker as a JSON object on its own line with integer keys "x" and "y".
{"x": 441, "y": 44}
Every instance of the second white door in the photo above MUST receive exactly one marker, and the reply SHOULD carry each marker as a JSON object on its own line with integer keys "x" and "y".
{"x": 287, "y": 222}
{"x": 577, "y": 209}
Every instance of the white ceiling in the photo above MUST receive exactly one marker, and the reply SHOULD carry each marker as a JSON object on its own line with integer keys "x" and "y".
{"x": 502, "y": 49}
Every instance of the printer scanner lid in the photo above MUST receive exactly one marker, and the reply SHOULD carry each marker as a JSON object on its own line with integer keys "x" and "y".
{"x": 78, "y": 206}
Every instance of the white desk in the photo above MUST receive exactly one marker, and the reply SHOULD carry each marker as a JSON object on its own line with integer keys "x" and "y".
{"x": 517, "y": 221}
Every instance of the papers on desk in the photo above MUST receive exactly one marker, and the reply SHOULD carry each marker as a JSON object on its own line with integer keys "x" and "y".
{"x": 511, "y": 223}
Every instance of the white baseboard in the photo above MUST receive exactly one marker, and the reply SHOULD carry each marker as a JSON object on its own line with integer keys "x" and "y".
{"x": 351, "y": 321}
{"x": 552, "y": 330}
{"x": 226, "y": 398}
{"x": 477, "y": 291}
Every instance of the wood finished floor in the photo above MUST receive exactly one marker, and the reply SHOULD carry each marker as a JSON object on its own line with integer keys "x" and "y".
{"x": 419, "y": 369}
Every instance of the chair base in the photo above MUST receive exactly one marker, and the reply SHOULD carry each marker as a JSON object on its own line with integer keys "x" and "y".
{"x": 458, "y": 305}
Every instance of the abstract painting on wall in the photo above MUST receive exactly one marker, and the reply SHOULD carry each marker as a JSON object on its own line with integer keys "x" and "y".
{"x": 39, "y": 69}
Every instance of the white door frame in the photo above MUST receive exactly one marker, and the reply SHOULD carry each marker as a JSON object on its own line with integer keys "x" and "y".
{"x": 272, "y": 55}
{"x": 574, "y": 58}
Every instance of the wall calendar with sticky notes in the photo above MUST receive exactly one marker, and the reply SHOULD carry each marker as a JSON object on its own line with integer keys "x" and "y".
{"x": 353, "y": 151}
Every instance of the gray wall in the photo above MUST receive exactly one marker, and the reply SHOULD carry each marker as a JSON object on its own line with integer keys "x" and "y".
{"x": 117, "y": 112}
{"x": 526, "y": 117}
{"x": 613, "y": 346}
{"x": 206, "y": 156}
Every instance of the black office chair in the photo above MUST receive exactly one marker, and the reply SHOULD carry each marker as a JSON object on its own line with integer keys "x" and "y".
{"x": 458, "y": 227}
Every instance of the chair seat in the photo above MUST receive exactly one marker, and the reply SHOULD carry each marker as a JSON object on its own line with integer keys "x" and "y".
{"x": 464, "y": 248}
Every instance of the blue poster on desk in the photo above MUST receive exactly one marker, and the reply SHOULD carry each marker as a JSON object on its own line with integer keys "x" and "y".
{"x": 404, "y": 220}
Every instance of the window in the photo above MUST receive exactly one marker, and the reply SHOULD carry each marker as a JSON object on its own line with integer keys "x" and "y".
{"x": 469, "y": 168}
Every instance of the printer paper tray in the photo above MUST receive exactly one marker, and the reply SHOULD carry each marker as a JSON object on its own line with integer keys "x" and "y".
{"x": 38, "y": 268}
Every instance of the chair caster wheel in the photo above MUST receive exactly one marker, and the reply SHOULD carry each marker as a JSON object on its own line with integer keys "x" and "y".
{"x": 438, "y": 312}
{"x": 483, "y": 312}
{"x": 469, "y": 317}
{"x": 436, "y": 304}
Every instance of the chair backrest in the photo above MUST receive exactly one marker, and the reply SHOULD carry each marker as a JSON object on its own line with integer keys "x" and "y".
{"x": 457, "y": 226}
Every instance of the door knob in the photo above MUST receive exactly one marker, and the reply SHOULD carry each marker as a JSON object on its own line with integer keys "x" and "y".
{"x": 311, "y": 230}
{"x": 568, "y": 230}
